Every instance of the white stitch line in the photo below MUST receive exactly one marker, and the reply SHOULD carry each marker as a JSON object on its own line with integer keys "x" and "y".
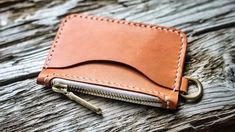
{"x": 113, "y": 83}
{"x": 129, "y": 23}
{"x": 178, "y": 64}
{"x": 55, "y": 43}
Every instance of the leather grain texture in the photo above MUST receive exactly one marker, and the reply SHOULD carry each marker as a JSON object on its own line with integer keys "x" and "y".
{"x": 125, "y": 55}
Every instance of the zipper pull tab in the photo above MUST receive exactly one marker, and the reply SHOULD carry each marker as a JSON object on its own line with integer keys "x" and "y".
{"x": 61, "y": 88}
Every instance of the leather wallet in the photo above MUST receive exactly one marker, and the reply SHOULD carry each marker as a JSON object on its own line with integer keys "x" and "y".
{"x": 117, "y": 59}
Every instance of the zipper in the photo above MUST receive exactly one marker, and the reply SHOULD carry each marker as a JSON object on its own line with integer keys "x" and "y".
{"x": 67, "y": 88}
{"x": 61, "y": 88}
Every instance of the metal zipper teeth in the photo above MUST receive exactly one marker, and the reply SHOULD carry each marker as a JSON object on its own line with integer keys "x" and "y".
{"x": 150, "y": 102}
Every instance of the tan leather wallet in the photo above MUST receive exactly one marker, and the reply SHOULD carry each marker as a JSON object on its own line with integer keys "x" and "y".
{"x": 117, "y": 59}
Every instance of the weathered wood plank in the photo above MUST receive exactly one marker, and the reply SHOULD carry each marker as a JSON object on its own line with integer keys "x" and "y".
{"x": 28, "y": 27}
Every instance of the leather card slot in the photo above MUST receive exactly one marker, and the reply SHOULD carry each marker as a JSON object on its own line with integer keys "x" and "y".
{"x": 155, "y": 53}
{"x": 98, "y": 64}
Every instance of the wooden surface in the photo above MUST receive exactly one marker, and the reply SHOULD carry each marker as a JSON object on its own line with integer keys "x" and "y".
{"x": 27, "y": 28}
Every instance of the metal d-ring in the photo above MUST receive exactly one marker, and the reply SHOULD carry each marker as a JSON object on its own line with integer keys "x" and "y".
{"x": 194, "y": 96}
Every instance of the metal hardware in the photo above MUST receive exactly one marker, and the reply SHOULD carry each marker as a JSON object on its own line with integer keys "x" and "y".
{"x": 194, "y": 97}
{"x": 61, "y": 88}
{"x": 108, "y": 92}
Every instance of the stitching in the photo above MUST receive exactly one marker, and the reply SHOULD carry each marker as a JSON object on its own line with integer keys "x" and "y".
{"x": 54, "y": 45}
{"x": 179, "y": 59}
{"x": 178, "y": 33}
{"x": 160, "y": 94}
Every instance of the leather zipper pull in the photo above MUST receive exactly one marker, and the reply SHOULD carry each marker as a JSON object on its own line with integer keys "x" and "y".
{"x": 61, "y": 88}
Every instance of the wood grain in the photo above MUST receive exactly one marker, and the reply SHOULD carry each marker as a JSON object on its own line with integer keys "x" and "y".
{"x": 27, "y": 29}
